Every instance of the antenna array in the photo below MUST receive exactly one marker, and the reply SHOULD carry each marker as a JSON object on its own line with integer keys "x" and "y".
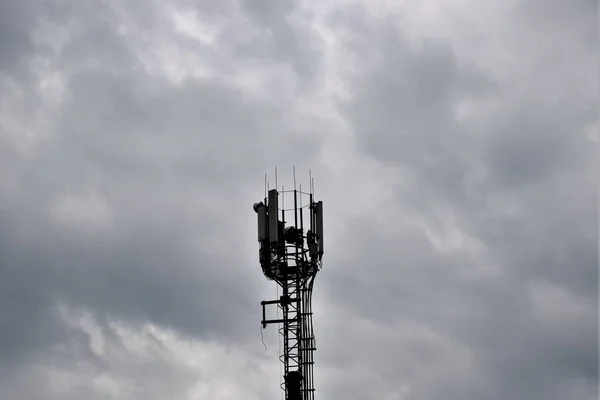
{"x": 290, "y": 253}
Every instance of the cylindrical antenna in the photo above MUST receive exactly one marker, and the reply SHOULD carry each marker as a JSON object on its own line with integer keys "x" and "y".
{"x": 296, "y": 220}
{"x": 311, "y": 206}
{"x": 283, "y": 220}
{"x": 295, "y": 209}
{"x": 301, "y": 218}
{"x": 310, "y": 181}
{"x": 276, "y": 186}
{"x": 265, "y": 185}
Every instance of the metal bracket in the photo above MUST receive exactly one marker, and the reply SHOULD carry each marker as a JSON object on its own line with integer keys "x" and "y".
{"x": 284, "y": 301}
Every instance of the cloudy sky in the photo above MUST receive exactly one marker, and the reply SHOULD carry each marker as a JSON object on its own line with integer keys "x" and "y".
{"x": 453, "y": 143}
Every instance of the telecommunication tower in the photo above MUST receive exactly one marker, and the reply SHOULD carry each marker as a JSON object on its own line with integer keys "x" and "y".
{"x": 291, "y": 250}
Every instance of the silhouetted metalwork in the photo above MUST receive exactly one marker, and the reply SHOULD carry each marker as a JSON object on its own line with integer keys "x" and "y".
{"x": 291, "y": 250}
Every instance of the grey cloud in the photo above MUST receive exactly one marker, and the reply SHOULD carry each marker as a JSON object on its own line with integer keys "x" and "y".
{"x": 173, "y": 166}
{"x": 15, "y": 40}
{"x": 151, "y": 150}
{"x": 408, "y": 94}
{"x": 265, "y": 29}
{"x": 530, "y": 156}
{"x": 577, "y": 18}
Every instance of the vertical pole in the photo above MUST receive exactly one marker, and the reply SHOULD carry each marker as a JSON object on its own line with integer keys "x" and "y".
{"x": 285, "y": 295}
{"x": 301, "y": 221}
{"x": 299, "y": 295}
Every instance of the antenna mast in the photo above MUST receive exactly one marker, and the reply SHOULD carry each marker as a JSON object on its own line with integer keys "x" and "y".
{"x": 291, "y": 256}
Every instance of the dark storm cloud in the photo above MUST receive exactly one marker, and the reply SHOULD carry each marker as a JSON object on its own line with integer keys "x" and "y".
{"x": 15, "y": 24}
{"x": 530, "y": 156}
{"x": 168, "y": 163}
{"x": 259, "y": 32}
{"x": 163, "y": 171}
{"x": 578, "y": 18}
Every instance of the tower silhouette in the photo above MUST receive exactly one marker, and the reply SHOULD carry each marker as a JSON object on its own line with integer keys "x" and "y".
{"x": 291, "y": 251}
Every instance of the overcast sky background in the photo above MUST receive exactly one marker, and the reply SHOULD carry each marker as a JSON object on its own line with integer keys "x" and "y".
{"x": 453, "y": 144}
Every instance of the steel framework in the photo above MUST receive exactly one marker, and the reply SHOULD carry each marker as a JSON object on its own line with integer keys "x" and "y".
{"x": 292, "y": 257}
